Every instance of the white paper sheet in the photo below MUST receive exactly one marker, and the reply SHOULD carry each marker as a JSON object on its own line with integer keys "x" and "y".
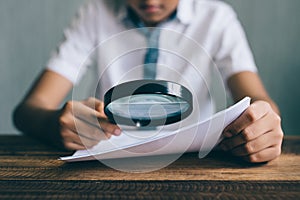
{"x": 201, "y": 137}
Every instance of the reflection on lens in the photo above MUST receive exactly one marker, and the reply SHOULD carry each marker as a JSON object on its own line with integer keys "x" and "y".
{"x": 148, "y": 106}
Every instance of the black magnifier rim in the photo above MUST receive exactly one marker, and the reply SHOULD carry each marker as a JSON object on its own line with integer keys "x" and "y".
{"x": 138, "y": 87}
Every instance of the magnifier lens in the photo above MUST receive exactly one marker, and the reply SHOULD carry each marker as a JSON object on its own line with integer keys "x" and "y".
{"x": 147, "y": 103}
{"x": 148, "y": 106}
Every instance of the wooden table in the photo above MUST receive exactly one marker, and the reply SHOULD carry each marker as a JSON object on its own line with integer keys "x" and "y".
{"x": 31, "y": 170}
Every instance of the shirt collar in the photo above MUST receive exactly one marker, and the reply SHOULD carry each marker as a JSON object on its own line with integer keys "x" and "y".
{"x": 184, "y": 13}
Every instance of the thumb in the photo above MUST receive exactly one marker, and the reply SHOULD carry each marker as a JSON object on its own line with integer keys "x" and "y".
{"x": 96, "y": 105}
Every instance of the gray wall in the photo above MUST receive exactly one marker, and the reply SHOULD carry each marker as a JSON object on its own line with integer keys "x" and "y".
{"x": 31, "y": 29}
{"x": 29, "y": 32}
{"x": 273, "y": 29}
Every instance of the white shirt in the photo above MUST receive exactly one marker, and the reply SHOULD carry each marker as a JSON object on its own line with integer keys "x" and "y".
{"x": 205, "y": 36}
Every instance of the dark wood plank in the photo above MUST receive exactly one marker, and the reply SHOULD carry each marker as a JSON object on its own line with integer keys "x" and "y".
{"x": 149, "y": 190}
{"x": 31, "y": 170}
{"x": 36, "y": 161}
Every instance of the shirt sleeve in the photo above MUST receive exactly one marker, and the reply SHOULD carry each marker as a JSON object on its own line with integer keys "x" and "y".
{"x": 73, "y": 55}
{"x": 234, "y": 54}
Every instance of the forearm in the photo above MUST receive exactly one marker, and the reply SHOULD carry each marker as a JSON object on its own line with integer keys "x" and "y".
{"x": 40, "y": 123}
{"x": 249, "y": 84}
{"x": 38, "y": 114}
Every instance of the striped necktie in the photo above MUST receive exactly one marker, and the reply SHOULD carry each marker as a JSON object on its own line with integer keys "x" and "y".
{"x": 152, "y": 35}
{"x": 151, "y": 56}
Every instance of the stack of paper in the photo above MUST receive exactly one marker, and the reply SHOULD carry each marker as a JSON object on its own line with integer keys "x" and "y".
{"x": 201, "y": 137}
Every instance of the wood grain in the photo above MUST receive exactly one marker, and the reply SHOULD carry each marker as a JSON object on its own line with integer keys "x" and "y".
{"x": 35, "y": 171}
{"x": 149, "y": 190}
{"x": 26, "y": 159}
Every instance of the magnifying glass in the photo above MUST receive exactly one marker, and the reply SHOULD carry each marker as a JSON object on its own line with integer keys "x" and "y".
{"x": 148, "y": 103}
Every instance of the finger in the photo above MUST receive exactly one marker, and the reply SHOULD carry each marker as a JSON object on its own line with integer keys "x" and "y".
{"x": 70, "y": 136}
{"x": 265, "y": 141}
{"x": 83, "y": 112}
{"x": 86, "y": 130}
{"x": 74, "y": 146}
{"x": 255, "y": 130}
{"x": 76, "y": 125}
{"x": 95, "y": 104}
{"x": 265, "y": 155}
{"x": 71, "y": 140}
{"x": 256, "y": 111}
{"x": 108, "y": 135}
{"x": 102, "y": 118}
{"x": 100, "y": 121}
{"x": 109, "y": 128}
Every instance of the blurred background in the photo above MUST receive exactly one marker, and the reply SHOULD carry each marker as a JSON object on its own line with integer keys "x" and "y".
{"x": 31, "y": 29}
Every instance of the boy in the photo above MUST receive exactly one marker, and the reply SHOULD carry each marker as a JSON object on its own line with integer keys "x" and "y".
{"x": 256, "y": 136}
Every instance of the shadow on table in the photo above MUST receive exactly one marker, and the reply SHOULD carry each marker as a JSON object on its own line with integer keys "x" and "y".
{"x": 215, "y": 160}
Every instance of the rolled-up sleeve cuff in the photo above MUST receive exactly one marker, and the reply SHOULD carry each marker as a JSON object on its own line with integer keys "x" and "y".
{"x": 226, "y": 73}
{"x": 66, "y": 69}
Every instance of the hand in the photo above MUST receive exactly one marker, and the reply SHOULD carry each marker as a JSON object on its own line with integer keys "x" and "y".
{"x": 256, "y": 136}
{"x": 84, "y": 124}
